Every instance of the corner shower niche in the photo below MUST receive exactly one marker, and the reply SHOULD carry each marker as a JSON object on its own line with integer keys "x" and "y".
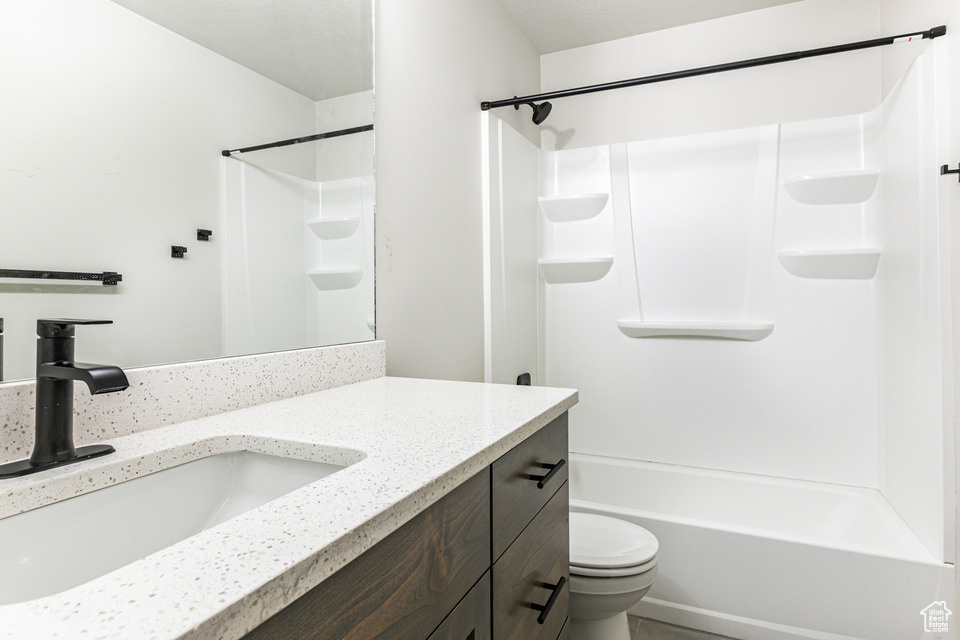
{"x": 561, "y": 210}
{"x": 845, "y": 264}
{"x": 842, "y": 187}
{"x": 845, "y": 195}
{"x": 334, "y": 228}
{"x": 572, "y": 208}
{"x": 565, "y": 270}
{"x": 336, "y": 278}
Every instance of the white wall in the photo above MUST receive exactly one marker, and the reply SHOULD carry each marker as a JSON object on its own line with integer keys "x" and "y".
{"x": 814, "y": 88}
{"x": 436, "y": 61}
{"x": 112, "y": 128}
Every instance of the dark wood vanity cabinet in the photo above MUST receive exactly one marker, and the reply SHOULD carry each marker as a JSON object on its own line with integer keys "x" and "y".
{"x": 490, "y": 560}
{"x": 471, "y": 619}
{"x": 531, "y": 541}
{"x": 404, "y": 586}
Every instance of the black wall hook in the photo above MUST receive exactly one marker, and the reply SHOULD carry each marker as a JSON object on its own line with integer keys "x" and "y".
{"x": 203, "y": 235}
{"x": 944, "y": 170}
{"x": 177, "y": 251}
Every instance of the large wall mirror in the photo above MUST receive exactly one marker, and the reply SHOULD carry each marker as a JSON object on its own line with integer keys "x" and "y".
{"x": 112, "y": 126}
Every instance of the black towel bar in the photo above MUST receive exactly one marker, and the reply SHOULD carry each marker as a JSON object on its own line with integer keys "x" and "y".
{"x": 106, "y": 277}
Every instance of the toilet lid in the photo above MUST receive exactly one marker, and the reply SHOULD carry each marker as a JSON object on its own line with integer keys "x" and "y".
{"x": 602, "y": 542}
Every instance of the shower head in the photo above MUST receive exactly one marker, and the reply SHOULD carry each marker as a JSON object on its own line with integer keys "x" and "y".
{"x": 540, "y": 111}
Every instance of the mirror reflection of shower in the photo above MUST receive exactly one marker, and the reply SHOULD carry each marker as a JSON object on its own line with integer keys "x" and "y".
{"x": 158, "y": 94}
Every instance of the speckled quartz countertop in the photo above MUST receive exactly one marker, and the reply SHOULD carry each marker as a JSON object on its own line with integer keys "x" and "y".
{"x": 418, "y": 439}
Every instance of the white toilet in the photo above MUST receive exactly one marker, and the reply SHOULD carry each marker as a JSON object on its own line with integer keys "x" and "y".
{"x": 613, "y": 564}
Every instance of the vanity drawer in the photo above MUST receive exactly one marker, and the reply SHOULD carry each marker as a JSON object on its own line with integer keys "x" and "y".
{"x": 471, "y": 619}
{"x": 403, "y": 587}
{"x": 539, "y": 557}
{"x": 515, "y": 496}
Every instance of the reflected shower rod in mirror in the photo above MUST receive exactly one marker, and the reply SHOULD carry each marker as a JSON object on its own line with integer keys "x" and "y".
{"x": 929, "y": 34}
{"x": 284, "y": 143}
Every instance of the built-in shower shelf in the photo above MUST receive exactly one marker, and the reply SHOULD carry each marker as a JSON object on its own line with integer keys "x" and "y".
{"x": 751, "y": 331}
{"x": 563, "y": 270}
{"x": 846, "y": 187}
{"x": 334, "y": 228}
{"x": 840, "y": 264}
{"x": 338, "y": 278}
{"x": 572, "y": 208}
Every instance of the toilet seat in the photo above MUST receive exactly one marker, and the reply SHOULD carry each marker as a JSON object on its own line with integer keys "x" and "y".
{"x": 609, "y": 546}
{"x": 613, "y": 573}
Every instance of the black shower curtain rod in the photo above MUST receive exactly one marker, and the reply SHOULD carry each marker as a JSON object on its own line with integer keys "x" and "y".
{"x": 284, "y": 143}
{"x": 934, "y": 32}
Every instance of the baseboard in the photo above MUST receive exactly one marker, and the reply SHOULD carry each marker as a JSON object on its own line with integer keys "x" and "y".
{"x": 724, "y": 624}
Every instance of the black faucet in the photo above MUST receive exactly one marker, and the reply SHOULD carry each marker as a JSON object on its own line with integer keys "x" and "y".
{"x": 56, "y": 372}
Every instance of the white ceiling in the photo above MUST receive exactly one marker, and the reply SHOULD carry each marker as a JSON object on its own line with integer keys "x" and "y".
{"x": 324, "y": 48}
{"x": 555, "y": 25}
{"x": 319, "y": 48}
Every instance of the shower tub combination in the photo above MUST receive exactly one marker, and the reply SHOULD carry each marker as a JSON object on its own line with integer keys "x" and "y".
{"x": 779, "y": 343}
{"x": 766, "y": 558}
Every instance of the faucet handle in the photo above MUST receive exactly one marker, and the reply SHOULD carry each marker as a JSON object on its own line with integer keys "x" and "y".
{"x": 63, "y": 327}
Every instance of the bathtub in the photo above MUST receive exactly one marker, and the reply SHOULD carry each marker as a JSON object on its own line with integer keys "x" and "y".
{"x": 763, "y": 558}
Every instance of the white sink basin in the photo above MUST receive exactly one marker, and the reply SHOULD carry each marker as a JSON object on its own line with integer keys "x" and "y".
{"x": 62, "y": 545}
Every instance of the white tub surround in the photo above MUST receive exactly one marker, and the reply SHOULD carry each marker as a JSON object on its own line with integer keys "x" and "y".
{"x": 836, "y": 297}
{"x": 419, "y": 439}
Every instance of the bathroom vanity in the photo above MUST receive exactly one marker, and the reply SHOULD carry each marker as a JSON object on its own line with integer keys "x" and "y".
{"x": 434, "y": 528}
{"x": 440, "y": 562}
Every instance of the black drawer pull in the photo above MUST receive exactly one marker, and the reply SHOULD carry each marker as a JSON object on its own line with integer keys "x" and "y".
{"x": 544, "y": 609}
{"x": 553, "y": 469}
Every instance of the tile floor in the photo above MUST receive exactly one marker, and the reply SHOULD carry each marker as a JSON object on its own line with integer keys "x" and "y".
{"x": 653, "y": 630}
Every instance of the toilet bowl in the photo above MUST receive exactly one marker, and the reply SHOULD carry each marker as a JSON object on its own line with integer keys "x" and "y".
{"x": 613, "y": 564}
